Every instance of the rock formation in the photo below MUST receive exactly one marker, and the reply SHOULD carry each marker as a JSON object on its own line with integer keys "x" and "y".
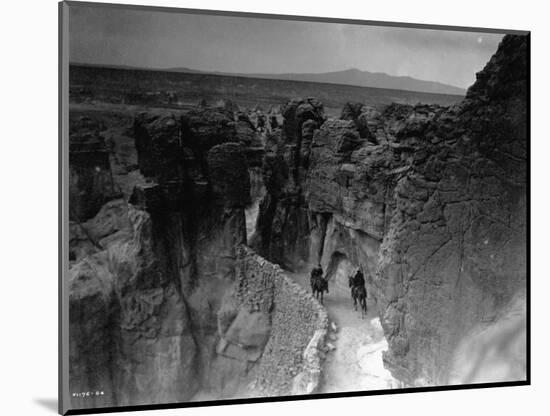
{"x": 148, "y": 277}
{"x": 90, "y": 180}
{"x": 283, "y": 226}
{"x": 360, "y": 115}
{"x": 429, "y": 201}
{"x": 455, "y": 253}
{"x": 157, "y": 314}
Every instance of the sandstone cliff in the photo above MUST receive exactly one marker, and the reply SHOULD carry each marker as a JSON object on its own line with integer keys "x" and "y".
{"x": 454, "y": 256}
{"x": 148, "y": 278}
{"x": 429, "y": 201}
{"x": 283, "y": 225}
{"x": 157, "y": 313}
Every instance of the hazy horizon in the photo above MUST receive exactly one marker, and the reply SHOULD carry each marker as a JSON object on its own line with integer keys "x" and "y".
{"x": 243, "y": 45}
{"x": 179, "y": 68}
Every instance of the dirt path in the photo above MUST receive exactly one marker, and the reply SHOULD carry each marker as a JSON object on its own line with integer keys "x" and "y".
{"x": 355, "y": 364}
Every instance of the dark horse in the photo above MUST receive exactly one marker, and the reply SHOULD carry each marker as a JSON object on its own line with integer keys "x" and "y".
{"x": 319, "y": 284}
{"x": 358, "y": 293}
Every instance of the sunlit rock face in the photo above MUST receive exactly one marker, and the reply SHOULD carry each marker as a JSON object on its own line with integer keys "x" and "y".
{"x": 454, "y": 255}
{"x": 257, "y": 193}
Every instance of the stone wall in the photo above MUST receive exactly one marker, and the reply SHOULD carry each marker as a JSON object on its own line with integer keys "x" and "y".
{"x": 291, "y": 360}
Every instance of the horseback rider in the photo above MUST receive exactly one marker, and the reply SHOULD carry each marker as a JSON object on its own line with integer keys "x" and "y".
{"x": 317, "y": 274}
{"x": 358, "y": 279}
{"x": 316, "y": 271}
{"x": 358, "y": 290}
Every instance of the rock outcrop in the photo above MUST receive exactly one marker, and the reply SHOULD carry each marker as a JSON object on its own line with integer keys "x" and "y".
{"x": 158, "y": 308}
{"x": 283, "y": 225}
{"x": 429, "y": 201}
{"x": 130, "y": 330}
{"x": 360, "y": 115}
{"x": 455, "y": 253}
{"x": 148, "y": 278}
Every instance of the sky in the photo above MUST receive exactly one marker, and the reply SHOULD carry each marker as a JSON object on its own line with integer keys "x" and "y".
{"x": 154, "y": 39}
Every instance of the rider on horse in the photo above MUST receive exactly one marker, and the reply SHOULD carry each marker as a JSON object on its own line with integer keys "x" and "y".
{"x": 358, "y": 290}
{"x": 358, "y": 279}
{"x": 317, "y": 273}
{"x": 318, "y": 282}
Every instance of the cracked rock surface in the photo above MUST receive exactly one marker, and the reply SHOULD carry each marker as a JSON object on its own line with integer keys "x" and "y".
{"x": 429, "y": 201}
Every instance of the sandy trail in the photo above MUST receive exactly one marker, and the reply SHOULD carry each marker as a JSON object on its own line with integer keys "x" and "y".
{"x": 356, "y": 362}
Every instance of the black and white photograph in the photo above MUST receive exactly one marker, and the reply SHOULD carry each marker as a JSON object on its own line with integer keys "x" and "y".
{"x": 260, "y": 206}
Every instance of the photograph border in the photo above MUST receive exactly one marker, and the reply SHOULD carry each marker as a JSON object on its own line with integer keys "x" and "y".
{"x": 63, "y": 214}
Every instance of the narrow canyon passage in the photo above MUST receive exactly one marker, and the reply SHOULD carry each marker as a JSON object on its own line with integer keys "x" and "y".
{"x": 355, "y": 363}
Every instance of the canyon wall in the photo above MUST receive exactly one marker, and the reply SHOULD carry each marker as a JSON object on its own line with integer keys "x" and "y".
{"x": 130, "y": 329}
{"x": 162, "y": 306}
{"x": 148, "y": 277}
{"x": 429, "y": 201}
{"x": 167, "y": 304}
{"x": 282, "y": 232}
{"x": 455, "y": 254}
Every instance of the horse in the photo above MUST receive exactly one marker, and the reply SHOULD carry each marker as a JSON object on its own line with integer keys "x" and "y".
{"x": 358, "y": 295}
{"x": 351, "y": 284}
{"x": 318, "y": 286}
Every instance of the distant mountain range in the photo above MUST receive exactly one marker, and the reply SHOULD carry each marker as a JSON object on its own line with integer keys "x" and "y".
{"x": 353, "y": 77}
{"x": 346, "y": 77}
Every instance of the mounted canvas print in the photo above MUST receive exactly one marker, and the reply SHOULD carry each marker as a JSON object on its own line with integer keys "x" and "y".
{"x": 259, "y": 207}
